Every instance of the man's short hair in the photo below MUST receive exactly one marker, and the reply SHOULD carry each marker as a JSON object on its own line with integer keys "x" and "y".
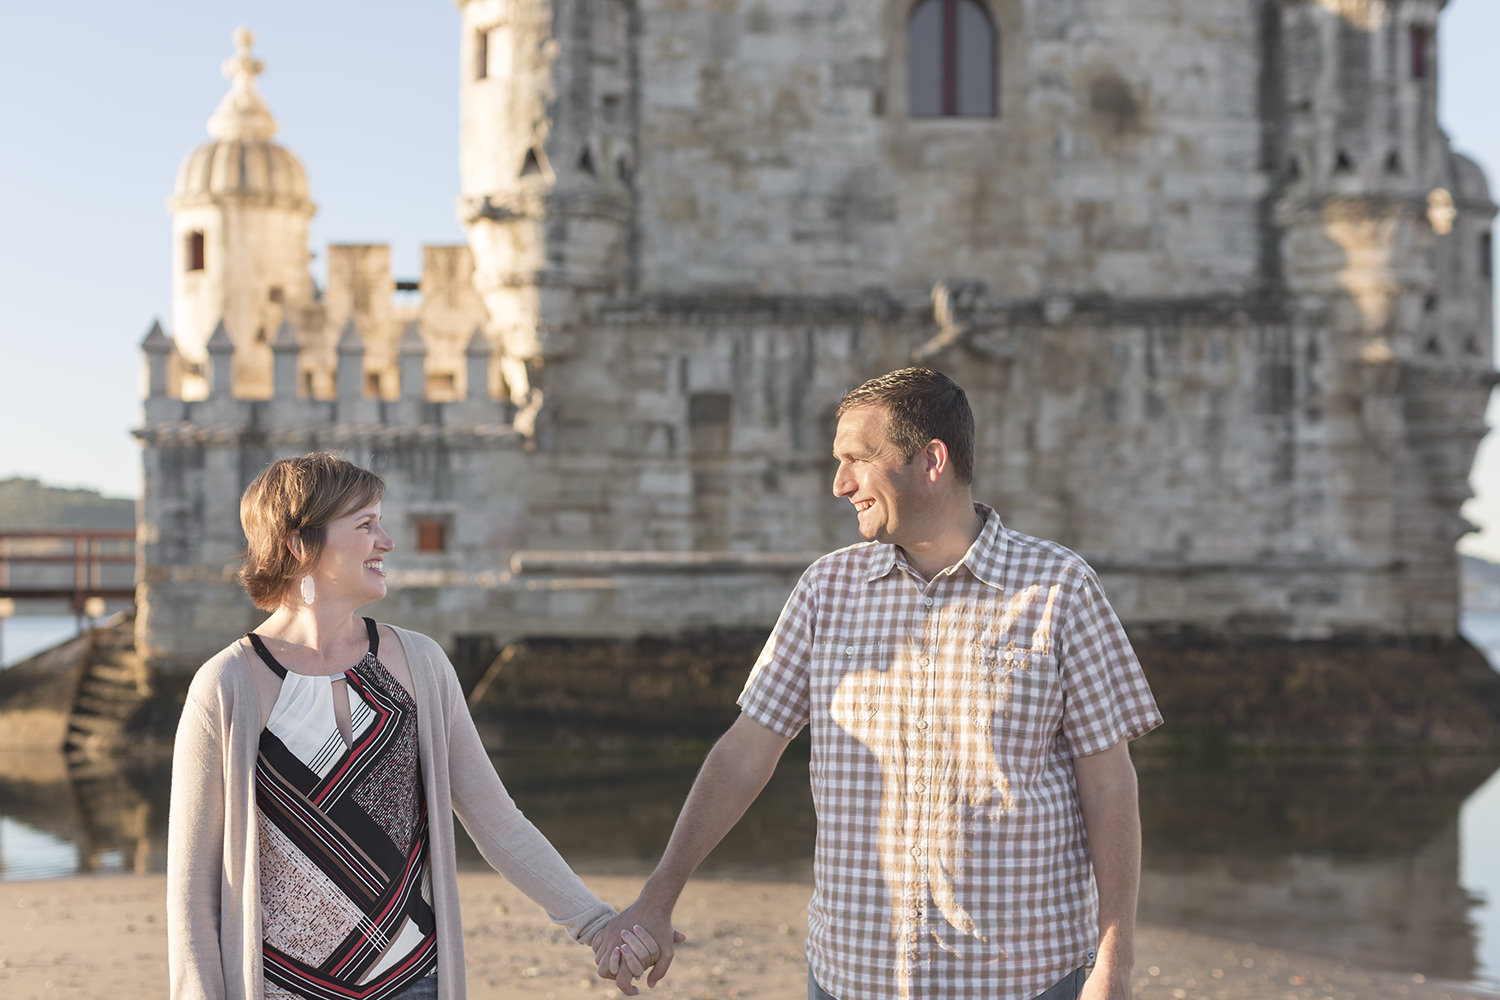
{"x": 922, "y": 405}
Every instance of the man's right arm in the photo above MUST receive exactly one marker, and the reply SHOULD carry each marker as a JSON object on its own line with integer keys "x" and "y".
{"x": 733, "y": 774}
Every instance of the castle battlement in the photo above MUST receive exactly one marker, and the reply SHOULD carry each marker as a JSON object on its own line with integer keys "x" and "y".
{"x": 410, "y": 383}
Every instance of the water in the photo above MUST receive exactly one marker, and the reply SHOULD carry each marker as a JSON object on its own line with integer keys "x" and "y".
{"x": 1479, "y": 872}
{"x": 26, "y": 635}
{"x": 1385, "y": 862}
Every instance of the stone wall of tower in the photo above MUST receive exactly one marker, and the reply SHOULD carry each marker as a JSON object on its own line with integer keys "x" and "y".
{"x": 1214, "y": 279}
{"x": 439, "y": 457}
{"x": 777, "y": 154}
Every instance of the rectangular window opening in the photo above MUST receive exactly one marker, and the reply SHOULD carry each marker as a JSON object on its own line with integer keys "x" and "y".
{"x": 1421, "y": 51}
{"x": 432, "y": 534}
{"x": 481, "y": 55}
{"x": 194, "y": 250}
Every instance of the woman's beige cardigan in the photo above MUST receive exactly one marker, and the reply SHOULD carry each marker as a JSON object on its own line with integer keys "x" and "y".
{"x": 213, "y": 898}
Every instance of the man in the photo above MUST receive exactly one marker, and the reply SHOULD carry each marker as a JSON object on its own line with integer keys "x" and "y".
{"x": 970, "y": 695}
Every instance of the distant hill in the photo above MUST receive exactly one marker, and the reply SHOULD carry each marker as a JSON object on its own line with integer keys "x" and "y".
{"x": 26, "y": 504}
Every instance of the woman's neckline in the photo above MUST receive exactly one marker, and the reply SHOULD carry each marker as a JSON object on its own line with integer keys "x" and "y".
{"x": 258, "y": 643}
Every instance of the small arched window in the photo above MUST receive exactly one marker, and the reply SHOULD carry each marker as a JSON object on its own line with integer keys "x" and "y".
{"x": 951, "y": 57}
{"x": 193, "y": 250}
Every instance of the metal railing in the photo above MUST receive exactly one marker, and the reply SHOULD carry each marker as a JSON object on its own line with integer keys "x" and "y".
{"x": 34, "y": 565}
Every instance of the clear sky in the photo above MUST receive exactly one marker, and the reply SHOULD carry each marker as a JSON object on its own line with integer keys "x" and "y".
{"x": 106, "y": 99}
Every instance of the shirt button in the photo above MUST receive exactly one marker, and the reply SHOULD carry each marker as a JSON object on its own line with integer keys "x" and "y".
{"x": 849, "y": 650}
{"x": 927, "y": 601}
{"x": 921, "y": 725}
{"x": 923, "y": 661}
{"x": 916, "y": 852}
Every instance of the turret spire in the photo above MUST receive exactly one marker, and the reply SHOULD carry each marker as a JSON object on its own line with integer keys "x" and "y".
{"x": 242, "y": 114}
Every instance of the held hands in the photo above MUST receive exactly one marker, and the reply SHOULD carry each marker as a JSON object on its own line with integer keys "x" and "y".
{"x": 633, "y": 942}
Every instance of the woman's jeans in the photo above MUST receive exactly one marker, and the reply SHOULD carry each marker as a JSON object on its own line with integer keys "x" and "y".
{"x": 1066, "y": 988}
{"x": 423, "y": 989}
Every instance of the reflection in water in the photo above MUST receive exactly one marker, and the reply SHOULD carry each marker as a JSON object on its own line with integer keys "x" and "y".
{"x": 112, "y": 817}
{"x": 37, "y": 854}
{"x": 1357, "y": 859}
{"x": 609, "y": 805}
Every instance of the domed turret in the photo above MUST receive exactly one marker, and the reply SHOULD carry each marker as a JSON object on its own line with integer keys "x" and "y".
{"x": 240, "y": 214}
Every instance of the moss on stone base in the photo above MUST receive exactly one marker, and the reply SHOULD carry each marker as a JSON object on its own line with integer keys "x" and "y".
{"x": 1356, "y": 693}
{"x": 1217, "y": 693}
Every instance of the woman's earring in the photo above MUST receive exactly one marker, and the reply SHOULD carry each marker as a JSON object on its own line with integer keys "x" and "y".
{"x": 309, "y": 590}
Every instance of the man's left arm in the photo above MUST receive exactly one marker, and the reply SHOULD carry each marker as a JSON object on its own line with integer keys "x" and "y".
{"x": 1111, "y": 817}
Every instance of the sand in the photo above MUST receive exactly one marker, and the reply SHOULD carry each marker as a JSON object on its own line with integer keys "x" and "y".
{"x": 88, "y": 938}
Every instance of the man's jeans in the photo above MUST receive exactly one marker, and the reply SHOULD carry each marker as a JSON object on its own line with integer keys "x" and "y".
{"x": 1066, "y": 988}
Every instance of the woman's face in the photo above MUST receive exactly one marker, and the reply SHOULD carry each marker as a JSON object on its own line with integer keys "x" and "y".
{"x": 351, "y": 566}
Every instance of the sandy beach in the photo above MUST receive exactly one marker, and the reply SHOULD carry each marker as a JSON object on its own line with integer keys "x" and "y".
{"x": 88, "y": 938}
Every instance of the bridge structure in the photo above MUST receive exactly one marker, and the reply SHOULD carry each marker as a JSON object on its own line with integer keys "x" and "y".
{"x": 81, "y": 695}
{"x": 71, "y": 565}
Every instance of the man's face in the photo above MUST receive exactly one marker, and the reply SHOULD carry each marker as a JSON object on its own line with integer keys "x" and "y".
{"x": 886, "y": 490}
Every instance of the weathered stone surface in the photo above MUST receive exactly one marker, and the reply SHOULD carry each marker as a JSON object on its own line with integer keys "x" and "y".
{"x": 1217, "y": 284}
{"x": 36, "y": 696}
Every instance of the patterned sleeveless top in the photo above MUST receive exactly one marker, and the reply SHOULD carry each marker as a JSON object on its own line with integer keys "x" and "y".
{"x": 344, "y": 890}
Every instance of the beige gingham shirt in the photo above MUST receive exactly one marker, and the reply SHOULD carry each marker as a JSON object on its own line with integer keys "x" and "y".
{"x": 951, "y": 859}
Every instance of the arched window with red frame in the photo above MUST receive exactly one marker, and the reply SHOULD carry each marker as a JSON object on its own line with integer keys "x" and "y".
{"x": 952, "y": 51}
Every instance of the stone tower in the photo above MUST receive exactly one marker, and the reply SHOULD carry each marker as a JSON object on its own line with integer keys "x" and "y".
{"x": 1387, "y": 230}
{"x": 1223, "y": 313}
{"x": 240, "y": 214}
{"x": 545, "y": 162}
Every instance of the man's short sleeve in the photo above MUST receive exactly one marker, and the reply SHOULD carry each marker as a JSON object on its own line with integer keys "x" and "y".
{"x": 776, "y": 695}
{"x": 1108, "y": 698}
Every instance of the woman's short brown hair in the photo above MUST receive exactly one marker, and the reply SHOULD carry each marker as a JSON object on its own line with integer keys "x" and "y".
{"x": 300, "y": 495}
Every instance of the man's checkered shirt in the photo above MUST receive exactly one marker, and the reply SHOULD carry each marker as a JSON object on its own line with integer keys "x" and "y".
{"x": 951, "y": 859}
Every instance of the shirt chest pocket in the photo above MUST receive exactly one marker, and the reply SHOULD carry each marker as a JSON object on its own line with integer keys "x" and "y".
{"x": 1018, "y": 689}
{"x": 851, "y": 680}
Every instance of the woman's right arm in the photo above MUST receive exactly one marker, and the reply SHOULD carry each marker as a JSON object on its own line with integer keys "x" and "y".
{"x": 195, "y": 850}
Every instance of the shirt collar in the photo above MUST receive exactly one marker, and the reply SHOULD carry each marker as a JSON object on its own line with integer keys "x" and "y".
{"x": 985, "y": 558}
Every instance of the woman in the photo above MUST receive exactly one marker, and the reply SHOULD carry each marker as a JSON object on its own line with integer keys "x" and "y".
{"x": 310, "y": 844}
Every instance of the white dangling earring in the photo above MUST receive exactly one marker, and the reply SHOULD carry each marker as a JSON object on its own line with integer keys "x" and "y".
{"x": 309, "y": 590}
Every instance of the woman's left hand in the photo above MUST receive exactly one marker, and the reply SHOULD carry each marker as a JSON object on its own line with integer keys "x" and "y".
{"x": 637, "y": 951}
